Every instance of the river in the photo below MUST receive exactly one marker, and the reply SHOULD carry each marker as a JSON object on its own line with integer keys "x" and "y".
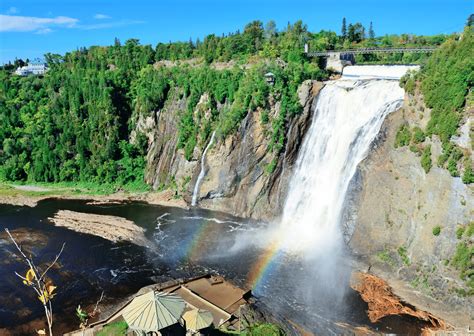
{"x": 184, "y": 243}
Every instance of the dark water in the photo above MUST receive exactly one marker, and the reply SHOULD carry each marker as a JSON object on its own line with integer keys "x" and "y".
{"x": 183, "y": 243}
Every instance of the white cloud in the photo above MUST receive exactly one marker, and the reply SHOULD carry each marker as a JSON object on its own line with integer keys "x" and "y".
{"x": 43, "y": 31}
{"x": 10, "y": 23}
{"x": 12, "y": 10}
{"x": 106, "y": 25}
{"x": 101, "y": 16}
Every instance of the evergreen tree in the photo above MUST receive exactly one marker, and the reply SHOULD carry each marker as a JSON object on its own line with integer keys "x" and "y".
{"x": 344, "y": 29}
{"x": 470, "y": 21}
{"x": 371, "y": 32}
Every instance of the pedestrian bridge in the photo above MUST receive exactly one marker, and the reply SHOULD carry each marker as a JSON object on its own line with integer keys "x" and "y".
{"x": 335, "y": 53}
{"x": 336, "y": 60}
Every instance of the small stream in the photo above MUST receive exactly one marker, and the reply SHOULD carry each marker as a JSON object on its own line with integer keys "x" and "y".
{"x": 185, "y": 243}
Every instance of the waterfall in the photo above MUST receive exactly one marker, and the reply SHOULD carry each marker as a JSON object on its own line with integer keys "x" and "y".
{"x": 348, "y": 116}
{"x": 202, "y": 173}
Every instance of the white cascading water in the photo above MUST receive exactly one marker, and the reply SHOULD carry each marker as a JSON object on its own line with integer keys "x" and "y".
{"x": 348, "y": 116}
{"x": 202, "y": 173}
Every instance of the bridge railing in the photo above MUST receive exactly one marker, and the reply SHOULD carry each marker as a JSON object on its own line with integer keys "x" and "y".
{"x": 369, "y": 51}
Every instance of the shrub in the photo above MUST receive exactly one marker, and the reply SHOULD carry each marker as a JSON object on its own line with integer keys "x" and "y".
{"x": 403, "y": 136}
{"x": 402, "y": 252}
{"x": 270, "y": 168}
{"x": 460, "y": 231}
{"x": 468, "y": 176}
{"x": 470, "y": 230}
{"x": 426, "y": 159}
{"x": 264, "y": 329}
{"x": 436, "y": 230}
{"x": 462, "y": 259}
{"x": 386, "y": 258}
{"x": 418, "y": 135}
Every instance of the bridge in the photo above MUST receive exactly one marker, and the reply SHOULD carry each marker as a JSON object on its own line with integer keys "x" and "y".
{"x": 336, "y": 60}
{"x": 328, "y": 53}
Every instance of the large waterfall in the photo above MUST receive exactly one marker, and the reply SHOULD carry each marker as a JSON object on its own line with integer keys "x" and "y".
{"x": 347, "y": 117}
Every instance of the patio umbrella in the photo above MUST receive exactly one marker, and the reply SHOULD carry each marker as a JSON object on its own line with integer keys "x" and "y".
{"x": 197, "y": 319}
{"x": 153, "y": 311}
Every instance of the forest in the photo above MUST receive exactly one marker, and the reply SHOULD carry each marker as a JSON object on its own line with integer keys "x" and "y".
{"x": 74, "y": 124}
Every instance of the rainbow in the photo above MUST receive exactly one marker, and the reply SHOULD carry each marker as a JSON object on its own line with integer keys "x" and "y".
{"x": 195, "y": 246}
{"x": 265, "y": 265}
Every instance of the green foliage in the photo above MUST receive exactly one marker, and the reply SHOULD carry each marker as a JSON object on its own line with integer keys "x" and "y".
{"x": 418, "y": 135}
{"x": 270, "y": 168}
{"x": 436, "y": 230}
{"x": 463, "y": 259}
{"x": 460, "y": 231}
{"x": 446, "y": 80}
{"x": 264, "y": 329}
{"x": 402, "y": 252}
{"x": 114, "y": 329}
{"x": 81, "y": 314}
{"x": 426, "y": 159}
{"x": 470, "y": 230}
{"x": 468, "y": 176}
{"x": 408, "y": 82}
{"x": 403, "y": 136}
{"x": 385, "y": 257}
{"x": 72, "y": 124}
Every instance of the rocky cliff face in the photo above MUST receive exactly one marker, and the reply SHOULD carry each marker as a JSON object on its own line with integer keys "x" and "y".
{"x": 395, "y": 210}
{"x": 393, "y": 206}
{"x": 238, "y": 179}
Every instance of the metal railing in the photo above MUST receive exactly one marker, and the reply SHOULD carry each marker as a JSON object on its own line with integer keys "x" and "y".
{"x": 370, "y": 51}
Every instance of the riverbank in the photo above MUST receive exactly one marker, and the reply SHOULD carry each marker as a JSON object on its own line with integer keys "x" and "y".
{"x": 31, "y": 194}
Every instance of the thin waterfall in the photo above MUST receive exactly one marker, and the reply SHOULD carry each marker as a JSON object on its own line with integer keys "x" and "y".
{"x": 348, "y": 116}
{"x": 202, "y": 173}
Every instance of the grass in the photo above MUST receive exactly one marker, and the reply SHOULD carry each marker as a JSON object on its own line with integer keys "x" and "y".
{"x": 114, "y": 329}
{"x": 264, "y": 329}
{"x": 68, "y": 188}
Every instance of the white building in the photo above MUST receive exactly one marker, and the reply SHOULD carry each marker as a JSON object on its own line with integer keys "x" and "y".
{"x": 33, "y": 68}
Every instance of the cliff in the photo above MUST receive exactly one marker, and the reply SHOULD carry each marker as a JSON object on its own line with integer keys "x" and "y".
{"x": 238, "y": 178}
{"x": 408, "y": 224}
{"x": 394, "y": 208}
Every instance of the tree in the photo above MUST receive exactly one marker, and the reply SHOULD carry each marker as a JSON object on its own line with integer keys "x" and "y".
{"x": 344, "y": 29}
{"x": 470, "y": 21}
{"x": 371, "y": 31}
{"x": 253, "y": 34}
{"x": 36, "y": 279}
{"x": 270, "y": 30}
{"x": 356, "y": 32}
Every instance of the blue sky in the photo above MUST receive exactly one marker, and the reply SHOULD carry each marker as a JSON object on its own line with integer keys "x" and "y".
{"x": 31, "y": 28}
